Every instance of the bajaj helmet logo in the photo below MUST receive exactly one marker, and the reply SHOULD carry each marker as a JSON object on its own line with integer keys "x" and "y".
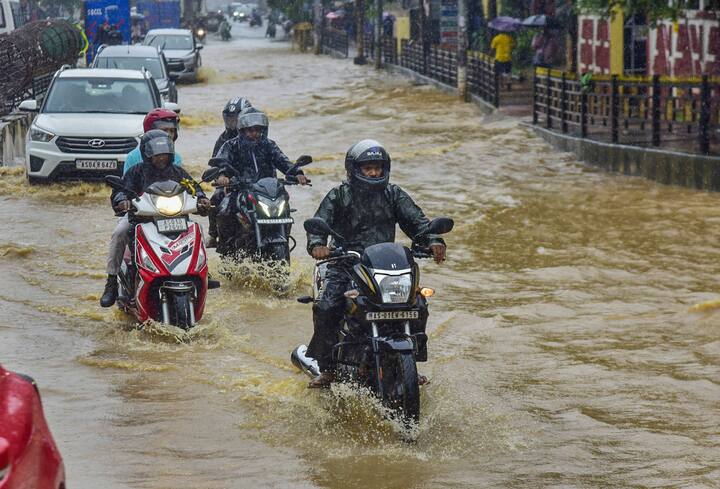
{"x": 96, "y": 143}
{"x": 374, "y": 153}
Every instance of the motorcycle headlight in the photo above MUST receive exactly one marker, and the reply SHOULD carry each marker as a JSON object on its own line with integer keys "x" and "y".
{"x": 265, "y": 208}
{"x": 40, "y": 135}
{"x": 168, "y": 206}
{"x": 201, "y": 32}
{"x": 281, "y": 208}
{"x": 145, "y": 261}
{"x": 394, "y": 288}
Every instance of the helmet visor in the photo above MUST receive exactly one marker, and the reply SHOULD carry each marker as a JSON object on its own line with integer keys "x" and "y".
{"x": 159, "y": 146}
{"x": 252, "y": 119}
{"x": 231, "y": 121}
{"x": 165, "y": 124}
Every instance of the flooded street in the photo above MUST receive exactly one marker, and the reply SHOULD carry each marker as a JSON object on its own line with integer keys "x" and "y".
{"x": 574, "y": 337}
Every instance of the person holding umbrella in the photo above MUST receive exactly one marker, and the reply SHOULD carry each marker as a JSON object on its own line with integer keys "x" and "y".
{"x": 503, "y": 44}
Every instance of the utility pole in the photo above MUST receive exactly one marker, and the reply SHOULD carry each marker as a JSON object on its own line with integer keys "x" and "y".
{"x": 360, "y": 32}
{"x": 462, "y": 48}
{"x": 318, "y": 21}
{"x": 378, "y": 34}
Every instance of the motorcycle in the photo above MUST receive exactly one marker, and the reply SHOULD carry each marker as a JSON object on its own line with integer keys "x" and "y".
{"x": 254, "y": 216}
{"x": 164, "y": 274}
{"x": 383, "y": 330}
{"x": 256, "y": 20}
{"x": 200, "y": 33}
{"x": 225, "y": 29}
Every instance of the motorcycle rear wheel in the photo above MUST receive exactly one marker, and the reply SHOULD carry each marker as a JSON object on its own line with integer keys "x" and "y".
{"x": 401, "y": 392}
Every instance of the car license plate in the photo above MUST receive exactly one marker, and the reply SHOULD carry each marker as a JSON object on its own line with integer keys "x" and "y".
{"x": 174, "y": 225}
{"x": 391, "y": 315}
{"x": 96, "y": 164}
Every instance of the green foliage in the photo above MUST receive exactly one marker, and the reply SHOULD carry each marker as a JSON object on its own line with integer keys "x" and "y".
{"x": 523, "y": 53}
{"x": 654, "y": 10}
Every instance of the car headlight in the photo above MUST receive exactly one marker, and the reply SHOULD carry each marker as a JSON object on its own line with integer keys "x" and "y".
{"x": 40, "y": 135}
{"x": 168, "y": 206}
{"x": 394, "y": 288}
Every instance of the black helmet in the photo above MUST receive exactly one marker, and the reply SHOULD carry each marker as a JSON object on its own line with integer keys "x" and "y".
{"x": 362, "y": 152}
{"x": 233, "y": 109}
{"x": 252, "y": 118}
{"x": 156, "y": 142}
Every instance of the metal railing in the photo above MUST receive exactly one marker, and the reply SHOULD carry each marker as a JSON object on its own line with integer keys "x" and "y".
{"x": 632, "y": 110}
{"x": 335, "y": 40}
{"x": 483, "y": 79}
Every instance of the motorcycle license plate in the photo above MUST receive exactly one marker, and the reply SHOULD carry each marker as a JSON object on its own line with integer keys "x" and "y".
{"x": 391, "y": 315}
{"x": 173, "y": 225}
{"x": 96, "y": 164}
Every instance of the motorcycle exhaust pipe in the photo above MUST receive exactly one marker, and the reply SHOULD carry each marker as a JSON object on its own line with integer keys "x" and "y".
{"x": 303, "y": 362}
{"x": 165, "y": 308}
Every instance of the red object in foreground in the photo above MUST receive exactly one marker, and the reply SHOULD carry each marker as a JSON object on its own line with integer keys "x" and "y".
{"x": 28, "y": 455}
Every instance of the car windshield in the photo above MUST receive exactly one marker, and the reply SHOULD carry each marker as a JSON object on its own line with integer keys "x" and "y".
{"x": 170, "y": 42}
{"x": 99, "y": 95}
{"x": 153, "y": 65}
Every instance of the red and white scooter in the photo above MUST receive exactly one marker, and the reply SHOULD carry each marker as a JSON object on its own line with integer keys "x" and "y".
{"x": 164, "y": 276}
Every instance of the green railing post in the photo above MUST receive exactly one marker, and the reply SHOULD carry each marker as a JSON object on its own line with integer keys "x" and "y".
{"x": 704, "y": 129}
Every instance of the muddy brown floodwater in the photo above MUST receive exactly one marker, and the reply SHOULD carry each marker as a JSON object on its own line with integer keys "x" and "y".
{"x": 574, "y": 337}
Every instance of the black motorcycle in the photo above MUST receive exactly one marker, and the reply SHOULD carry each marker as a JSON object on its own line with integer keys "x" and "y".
{"x": 383, "y": 331}
{"x": 254, "y": 217}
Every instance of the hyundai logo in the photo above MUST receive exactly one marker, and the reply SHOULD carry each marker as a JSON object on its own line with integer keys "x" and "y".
{"x": 96, "y": 143}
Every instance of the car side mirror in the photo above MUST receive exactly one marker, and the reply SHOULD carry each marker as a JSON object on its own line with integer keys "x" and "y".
{"x": 199, "y": 46}
{"x": 173, "y": 76}
{"x": 441, "y": 225}
{"x": 171, "y": 106}
{"x": 4, "y": 457}
{"x": 29, "y": 105}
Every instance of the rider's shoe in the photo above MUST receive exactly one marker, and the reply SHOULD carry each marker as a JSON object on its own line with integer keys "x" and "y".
{"x": 323, "y": 380}
{"x": 110, "y": 293}
{"x": 211, "y": 242}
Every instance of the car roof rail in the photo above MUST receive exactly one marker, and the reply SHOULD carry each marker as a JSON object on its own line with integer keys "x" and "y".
{"x": 100, "y": 48}
{"x": 62, "y": 68}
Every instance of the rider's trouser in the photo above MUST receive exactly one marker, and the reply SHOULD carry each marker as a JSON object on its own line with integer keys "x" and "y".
{"x": 215, "y": 201}
{"x": 120, "y": 239}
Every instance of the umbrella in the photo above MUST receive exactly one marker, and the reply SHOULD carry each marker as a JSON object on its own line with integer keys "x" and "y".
{"x": 334, "y": 15}
{"x": 539, "y": 21}
{"x": 505, "y": 24}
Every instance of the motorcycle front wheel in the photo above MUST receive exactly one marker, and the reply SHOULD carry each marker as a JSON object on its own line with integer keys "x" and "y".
{"x": 400, "y": 389}
{"x": 180, "y": 310}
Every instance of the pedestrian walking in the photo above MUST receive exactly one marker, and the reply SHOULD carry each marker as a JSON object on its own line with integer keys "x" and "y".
{"x": 503, "y": 44}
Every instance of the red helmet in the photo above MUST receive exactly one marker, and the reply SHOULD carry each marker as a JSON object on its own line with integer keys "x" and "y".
{"x": 161, "y": 119}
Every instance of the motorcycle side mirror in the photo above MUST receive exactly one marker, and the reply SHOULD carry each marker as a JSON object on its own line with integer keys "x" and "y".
{"x": 304, "y": 299}
{"x": 441, "y": 225}
{"x": 304, "y": 160}
{"x": 211, "y": 174}
{"x": 218, "y": 162}
{"x": 316, "y": 225}
{"x": 115, "y": 182}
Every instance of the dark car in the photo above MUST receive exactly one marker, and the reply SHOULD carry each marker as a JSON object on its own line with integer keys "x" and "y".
{"x": 136, "y": 58}
{"x": 181, "y": 50}
{"x": 28, "y": 455}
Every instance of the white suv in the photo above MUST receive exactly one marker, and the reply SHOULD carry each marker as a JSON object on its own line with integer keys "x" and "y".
{"x": 88, "y": 123}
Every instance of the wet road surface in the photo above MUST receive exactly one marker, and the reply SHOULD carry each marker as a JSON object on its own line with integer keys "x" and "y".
{"x": 567, "y": 347}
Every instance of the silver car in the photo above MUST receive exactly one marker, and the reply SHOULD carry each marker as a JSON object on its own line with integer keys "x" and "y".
{"x": 181, "y": 50}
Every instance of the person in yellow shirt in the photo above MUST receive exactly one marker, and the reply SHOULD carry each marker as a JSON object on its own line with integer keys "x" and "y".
{"x": 503, "y": 45}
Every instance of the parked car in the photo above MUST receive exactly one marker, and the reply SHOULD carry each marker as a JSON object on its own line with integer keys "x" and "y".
{"x": 88, "y": 122}
{"x": 11, "y": 16}
{"x": 136, "y": 58}
{"x": 28, "y": 454}
{"x": 181, "y": 50}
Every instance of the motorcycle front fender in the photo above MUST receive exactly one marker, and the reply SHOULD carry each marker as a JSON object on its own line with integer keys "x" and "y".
{"x": 397, "y": 344}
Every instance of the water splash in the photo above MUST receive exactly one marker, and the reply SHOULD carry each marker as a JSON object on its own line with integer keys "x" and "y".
{"x": 271, "y": 277}
{"x": 12, "y": 250}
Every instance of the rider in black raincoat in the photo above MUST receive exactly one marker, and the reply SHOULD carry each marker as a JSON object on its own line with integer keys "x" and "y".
{"x": 365, "y": 211}
{"x": 253, "y": 155}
